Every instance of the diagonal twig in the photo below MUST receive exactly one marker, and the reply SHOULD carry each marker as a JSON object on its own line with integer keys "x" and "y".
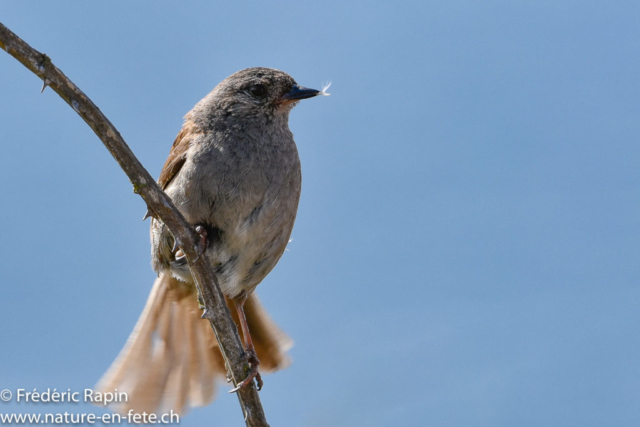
{"x": 216, "y": 310}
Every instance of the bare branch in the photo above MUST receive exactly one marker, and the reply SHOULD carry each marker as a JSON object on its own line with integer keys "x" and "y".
{"x": 216, "y": 310}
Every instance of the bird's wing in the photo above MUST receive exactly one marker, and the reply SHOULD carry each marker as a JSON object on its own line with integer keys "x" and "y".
{"x": 178, "y": 154}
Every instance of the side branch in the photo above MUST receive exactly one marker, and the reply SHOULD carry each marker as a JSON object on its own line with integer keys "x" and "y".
{"x": 216, "y": 310}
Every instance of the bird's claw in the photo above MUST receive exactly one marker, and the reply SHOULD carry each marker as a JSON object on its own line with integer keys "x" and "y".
{"x": 175, "y": 246}
{"x": 229, "y": 376}
{"x": 252, "y": 358}
{"x": 178, "y": 253}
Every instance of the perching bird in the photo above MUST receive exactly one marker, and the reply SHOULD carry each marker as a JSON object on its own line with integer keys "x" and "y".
{"x": 233, "y": 171}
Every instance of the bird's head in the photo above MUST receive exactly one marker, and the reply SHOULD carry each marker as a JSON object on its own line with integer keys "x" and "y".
{"x": 258, "y": 93}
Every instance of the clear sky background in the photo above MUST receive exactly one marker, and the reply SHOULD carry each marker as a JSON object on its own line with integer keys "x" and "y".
{"x": 467, "y": 245}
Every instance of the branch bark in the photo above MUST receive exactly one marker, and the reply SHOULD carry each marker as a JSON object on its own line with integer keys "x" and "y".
{"x": 216, "y": 310}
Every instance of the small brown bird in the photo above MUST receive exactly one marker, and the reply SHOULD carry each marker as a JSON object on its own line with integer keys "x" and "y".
{"x": 234, "y": 172}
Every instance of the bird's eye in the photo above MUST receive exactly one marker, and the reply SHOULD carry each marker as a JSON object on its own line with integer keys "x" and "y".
{"x": 259, "y": 91}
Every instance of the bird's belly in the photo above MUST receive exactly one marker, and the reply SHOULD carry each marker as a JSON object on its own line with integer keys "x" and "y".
{"x": 247, "y": 253}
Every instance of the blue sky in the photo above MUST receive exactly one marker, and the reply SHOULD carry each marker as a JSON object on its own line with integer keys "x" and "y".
{"x": 466, "y": 249}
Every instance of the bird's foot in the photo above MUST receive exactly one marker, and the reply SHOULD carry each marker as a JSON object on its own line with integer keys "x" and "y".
{"x": 202, "y": 232}
{"x": 202, "y": 245}
{"x": 252, "y": 358}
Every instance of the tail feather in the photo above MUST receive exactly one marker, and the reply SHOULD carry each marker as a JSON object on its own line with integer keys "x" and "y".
{"x": 202, "y": 365}
{"x": 140, "y": 342}
{"x": 171, "y": 360}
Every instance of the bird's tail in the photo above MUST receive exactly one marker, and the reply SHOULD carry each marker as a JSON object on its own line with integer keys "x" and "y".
{"x": 171, "y": 360}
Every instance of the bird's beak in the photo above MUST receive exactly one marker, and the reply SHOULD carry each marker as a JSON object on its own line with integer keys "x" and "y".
{"x": 298, "y": 92}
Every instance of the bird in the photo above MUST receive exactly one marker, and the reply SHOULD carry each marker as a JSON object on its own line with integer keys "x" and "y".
{"x": 234, "y": 173}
